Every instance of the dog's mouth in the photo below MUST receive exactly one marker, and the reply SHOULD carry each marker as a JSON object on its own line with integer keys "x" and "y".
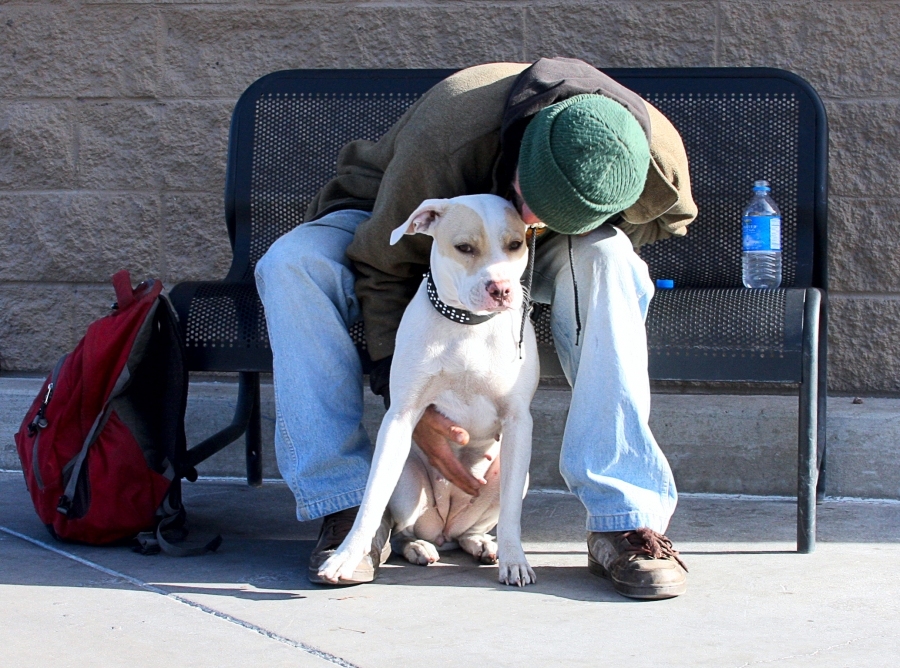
{"x": 500, "y": 305}
{"x": 495, "y": 297}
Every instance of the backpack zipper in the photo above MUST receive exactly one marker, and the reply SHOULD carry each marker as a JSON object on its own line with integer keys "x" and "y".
{"x": 40, "y": 422}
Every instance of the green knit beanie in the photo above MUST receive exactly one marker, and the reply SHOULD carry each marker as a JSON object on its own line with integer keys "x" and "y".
{"x": 581, "y": 161}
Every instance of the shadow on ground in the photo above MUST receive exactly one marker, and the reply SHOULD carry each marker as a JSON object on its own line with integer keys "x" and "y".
{"x": 265, "y": 550}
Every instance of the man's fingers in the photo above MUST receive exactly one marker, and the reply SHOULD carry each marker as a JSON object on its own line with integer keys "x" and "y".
{"x": 460, "y": 476}
{"x": 443, "y": 459}
{"x": 451, "y": 429}
{"x": 459, "y": 435}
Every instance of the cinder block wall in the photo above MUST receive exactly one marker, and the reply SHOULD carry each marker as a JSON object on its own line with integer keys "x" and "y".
{"x": 114, "y": 119}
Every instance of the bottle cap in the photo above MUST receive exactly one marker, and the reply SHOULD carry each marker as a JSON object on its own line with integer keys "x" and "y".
{"x": 665, "y": 283}
{"x": 761, "y": 186}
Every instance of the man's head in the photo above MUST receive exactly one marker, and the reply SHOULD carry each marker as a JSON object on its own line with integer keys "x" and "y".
{"x": 582, "y": 160}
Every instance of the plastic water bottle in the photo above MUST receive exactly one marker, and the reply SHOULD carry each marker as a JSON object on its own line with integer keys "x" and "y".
{"x": 762, "y": 240}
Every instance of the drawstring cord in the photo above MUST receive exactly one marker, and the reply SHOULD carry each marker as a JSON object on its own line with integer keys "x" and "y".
{"x": 575, "y": 287}
{"x": 532, "y": 242}
{"x": 526, "y": 306}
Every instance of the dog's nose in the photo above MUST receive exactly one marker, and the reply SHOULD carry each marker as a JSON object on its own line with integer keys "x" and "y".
{"x": 499, "y": 290}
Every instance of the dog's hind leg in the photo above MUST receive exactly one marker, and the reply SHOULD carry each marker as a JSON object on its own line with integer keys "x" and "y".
{"x": 413, "y": 508}
{"x": 481, "y": 516}
{"x": 414, "y": 550}
{"x": 482, "y": 546}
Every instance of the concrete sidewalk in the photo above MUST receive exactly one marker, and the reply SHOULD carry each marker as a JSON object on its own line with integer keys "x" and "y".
{"x": 750, "y": 599}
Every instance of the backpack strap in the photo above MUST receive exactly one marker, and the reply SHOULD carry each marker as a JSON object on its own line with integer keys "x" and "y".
{"x": 172, "y": 531}
{"x": 170, "y": 534}
{"x": 121, "y": 281}
{"x": 64, "y": 505}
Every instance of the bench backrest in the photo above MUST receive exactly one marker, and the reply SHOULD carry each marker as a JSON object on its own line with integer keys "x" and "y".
{"x": 738, "y": 125}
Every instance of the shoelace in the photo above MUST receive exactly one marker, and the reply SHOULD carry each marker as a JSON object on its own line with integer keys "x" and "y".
{"x": 646, "y": 542}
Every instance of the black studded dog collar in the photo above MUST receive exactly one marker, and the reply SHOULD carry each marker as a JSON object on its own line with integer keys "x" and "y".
{"x": 455, "y": 314}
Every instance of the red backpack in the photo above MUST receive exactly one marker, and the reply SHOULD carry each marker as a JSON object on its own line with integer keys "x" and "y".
{"x": 102, "y": 443}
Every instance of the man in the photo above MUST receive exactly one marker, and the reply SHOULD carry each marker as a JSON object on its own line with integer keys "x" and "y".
{"x": 576, "y": 152}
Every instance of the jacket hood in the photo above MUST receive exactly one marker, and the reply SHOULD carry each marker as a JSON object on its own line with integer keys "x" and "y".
{"x": 546, "y": 82}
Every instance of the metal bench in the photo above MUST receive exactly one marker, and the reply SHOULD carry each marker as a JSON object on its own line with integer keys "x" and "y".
{"x": 738, "y": 125}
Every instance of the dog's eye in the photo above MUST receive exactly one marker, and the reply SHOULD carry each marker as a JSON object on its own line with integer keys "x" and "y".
{"x": 515, "y": 245}
{"x": 465, "y": 249}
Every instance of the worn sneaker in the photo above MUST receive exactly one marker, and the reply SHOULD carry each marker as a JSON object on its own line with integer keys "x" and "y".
{"x": 640, "y": 563}
{"x": 335, "y": 528}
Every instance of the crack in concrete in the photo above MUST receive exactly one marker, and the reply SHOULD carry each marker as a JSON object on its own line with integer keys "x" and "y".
{"x": 198, "y": 606}
{"x": 808, "y": 654}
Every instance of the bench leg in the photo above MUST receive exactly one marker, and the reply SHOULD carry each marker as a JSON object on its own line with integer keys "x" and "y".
{"x": 823, "y": 400}
{"x": 253, "y": 436}
{"x": 246, "y": 420}
{"x": 807, "y": 464}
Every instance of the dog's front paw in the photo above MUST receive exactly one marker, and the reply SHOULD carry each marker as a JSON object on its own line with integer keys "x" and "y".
{"x": 338, "y": 566}
{"x": 518, "y": 574}
{"x": 516, "y": 571}
{"x": 420, "y": 552}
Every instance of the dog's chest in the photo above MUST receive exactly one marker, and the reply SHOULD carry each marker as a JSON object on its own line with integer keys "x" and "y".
{"x": 474, "y": 360}
{"x": 479, "y": 414}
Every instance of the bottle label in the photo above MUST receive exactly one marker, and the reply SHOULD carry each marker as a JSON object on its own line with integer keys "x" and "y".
{"x": 762, "y": 233}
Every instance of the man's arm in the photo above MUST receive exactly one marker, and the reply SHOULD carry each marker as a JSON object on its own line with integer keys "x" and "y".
{"x": 447, "y": 146}
{"x": 666, "y": 206}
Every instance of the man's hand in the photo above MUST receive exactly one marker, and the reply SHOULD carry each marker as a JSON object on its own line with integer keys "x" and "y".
{"x": 433, "y": 435}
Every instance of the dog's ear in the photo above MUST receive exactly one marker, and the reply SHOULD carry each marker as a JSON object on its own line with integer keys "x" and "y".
{"x": 421, "y": 219}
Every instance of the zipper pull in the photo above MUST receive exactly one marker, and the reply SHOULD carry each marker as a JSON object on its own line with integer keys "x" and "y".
{"x": 39, "y": 421}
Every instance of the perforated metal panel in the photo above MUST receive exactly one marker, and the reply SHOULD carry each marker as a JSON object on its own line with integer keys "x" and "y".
{"x": 358, "y": 334}
{"x": 540, "y": 318}
{"x": 222, "y": 317}
{"x": 726, "y": 334}
{"x": 297, "y": 137}
{"x": 750, "y": 321}
{"x": 296, "y": 140}
{"x": 731, "y": 141}
{"x": 710, "y": 322}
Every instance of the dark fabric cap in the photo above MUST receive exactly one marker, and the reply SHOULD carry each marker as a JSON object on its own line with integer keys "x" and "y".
{"x": 582, "y": 161}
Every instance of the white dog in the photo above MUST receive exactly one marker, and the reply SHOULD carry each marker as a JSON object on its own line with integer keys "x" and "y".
{"x": 458, "y": 349}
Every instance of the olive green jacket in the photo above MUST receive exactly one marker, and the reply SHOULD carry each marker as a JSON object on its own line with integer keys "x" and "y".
{"x": 448, "y": 144}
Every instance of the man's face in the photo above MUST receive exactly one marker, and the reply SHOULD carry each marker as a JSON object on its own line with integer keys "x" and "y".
{"x": 519, "y": 202}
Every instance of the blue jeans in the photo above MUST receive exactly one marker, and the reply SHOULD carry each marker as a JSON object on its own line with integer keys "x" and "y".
{"x": 609, "y": 458}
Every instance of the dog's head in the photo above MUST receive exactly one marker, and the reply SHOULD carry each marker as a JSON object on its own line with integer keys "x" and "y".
{"x": 479, "y": 251}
